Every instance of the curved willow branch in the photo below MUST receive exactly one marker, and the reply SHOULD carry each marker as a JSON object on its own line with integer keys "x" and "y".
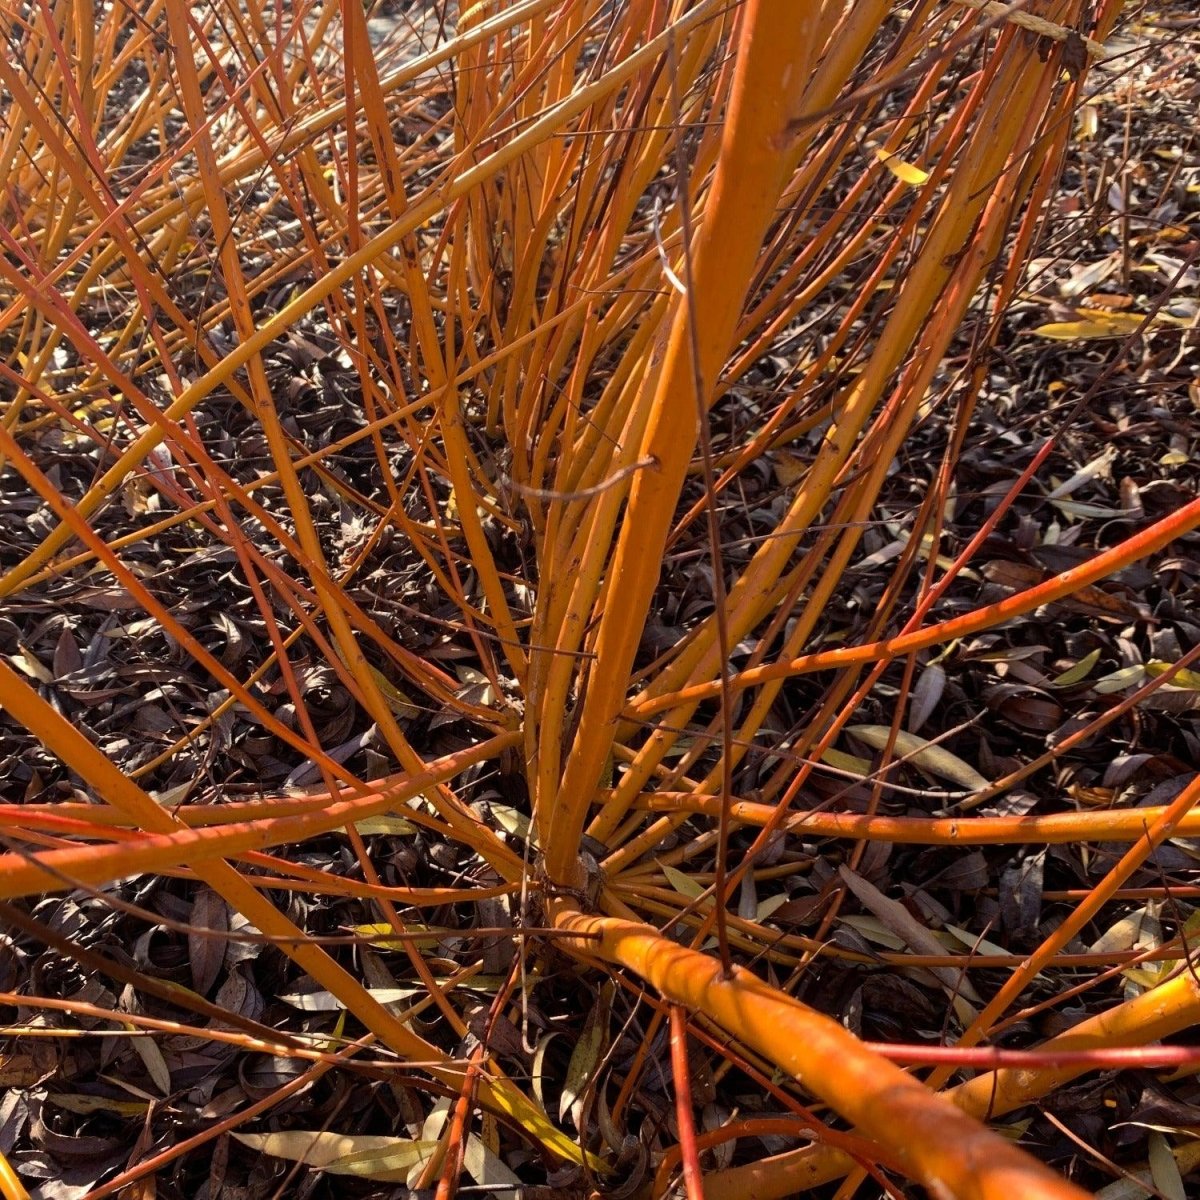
{"x": 942, "y": 1147}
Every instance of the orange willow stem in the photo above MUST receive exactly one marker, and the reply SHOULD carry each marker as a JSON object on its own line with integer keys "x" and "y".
{"x": 941, "y": 261}
{"x": 245, "y": 164}
{"x": 456, "y": 1133}
{"x": 421, "y": 213}
{"x": 693, "y": 1180}
{"x": 63, "y": 739}
{"x": 950, "y": 1153}
{"x": 1157, "y": 833}
{"x": 137, "y": 1021}
{"x": 330, "y": 596}
{"x": 1111, "y": 825}
{"x": 10, "y": 1186}
{"x": 1159, "y": 1013}
{"x": 758, "y": 153}
{"x": 153, "y": 1165}
{"x": 753, "y": 1127}
{"x": 1158, "y": 535}
{"x": 53, "y": 870}
{"x": 1124, "y": 1058}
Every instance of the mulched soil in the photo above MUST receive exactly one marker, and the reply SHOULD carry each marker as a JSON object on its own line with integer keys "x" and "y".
{"x": 1123, "y": 237}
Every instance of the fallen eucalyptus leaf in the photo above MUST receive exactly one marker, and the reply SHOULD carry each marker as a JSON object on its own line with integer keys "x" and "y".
{"x": 929, "y": 757}
{"x": 369, "y": 1156}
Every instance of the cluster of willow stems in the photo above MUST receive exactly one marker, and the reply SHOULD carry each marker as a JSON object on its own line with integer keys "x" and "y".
{"x": 615, "y": 213}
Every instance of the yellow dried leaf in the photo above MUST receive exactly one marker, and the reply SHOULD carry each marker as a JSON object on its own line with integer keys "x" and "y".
{"x": 683, "y": 883}
{"x": 1182, "y": 678}
{"x": 923, "y": 754}
{"x": 400, "y": 705}
{"x": 850, "y": 763}
{"x": 85, "y": 1106}
{"x": 531, "y": 1117}
{"x": 1099, "y": 324}
{"x": 369, "y": 1156}
{"x": 581, "y": 1069}
{"x": 388, "y": 825}
{"x": 383, "y": 936}
{"x": 1079, "y": 672}
{"x": 906, "y": 172}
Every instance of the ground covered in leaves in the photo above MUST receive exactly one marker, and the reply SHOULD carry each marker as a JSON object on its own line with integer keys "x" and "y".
{"x": 1102, "y": 353}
